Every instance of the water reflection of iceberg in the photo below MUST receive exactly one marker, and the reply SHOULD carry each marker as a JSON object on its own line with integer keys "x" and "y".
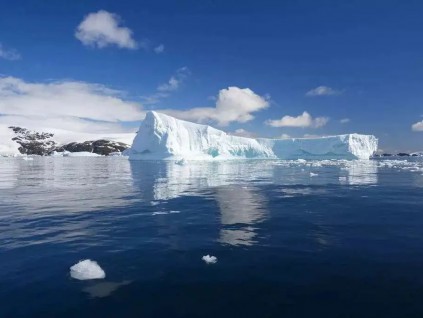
{"x": 167, "y": 180}
{"x": 104, "y": 289}
{"x": 360, "y": 172}
{"x": 241, "y": 206}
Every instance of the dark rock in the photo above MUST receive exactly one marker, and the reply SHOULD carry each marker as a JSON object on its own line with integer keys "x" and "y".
{"x": 32, "y": 142}
{"x": 403, "y": 154}
{"x": 101, "y": 147}
{"x": 386, "y": 155}
{"x": 42, "y": 144}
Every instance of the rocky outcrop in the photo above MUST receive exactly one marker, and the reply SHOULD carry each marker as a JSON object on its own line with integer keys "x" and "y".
{"x": 32, "y": 142}
{"x": 101, "y": 147}
{"x": 42, "y": 144}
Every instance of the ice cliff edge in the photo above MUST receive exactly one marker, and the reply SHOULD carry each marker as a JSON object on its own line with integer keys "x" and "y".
{"x": 164, "y": 137}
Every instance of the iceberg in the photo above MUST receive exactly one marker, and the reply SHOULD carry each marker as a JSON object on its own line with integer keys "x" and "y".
{"x": 87, "y": 269}
{"x": 209, "y": 259}
{"x": 164, "y": 137}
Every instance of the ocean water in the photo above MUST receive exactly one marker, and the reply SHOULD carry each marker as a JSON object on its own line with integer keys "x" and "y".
{"x": 292, "y": 238}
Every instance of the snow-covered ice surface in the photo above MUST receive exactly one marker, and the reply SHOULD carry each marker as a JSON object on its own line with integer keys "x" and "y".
{"x": 87, "y": 269}
{"x": 7, "y": 146}
{"x": 164, "y": 137}
{"x": 209, "y": 259}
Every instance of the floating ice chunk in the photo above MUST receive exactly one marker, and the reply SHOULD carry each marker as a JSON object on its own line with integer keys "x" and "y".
{"x": 209, "y": 259}
{"x": 313, "y": 174}
{"x": 87, "y": 269}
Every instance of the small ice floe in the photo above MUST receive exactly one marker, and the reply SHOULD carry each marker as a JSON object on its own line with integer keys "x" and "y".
{"x": 87, "y": 269}
{"x": 209, "y": 259}
{"x": 313, "y": 174}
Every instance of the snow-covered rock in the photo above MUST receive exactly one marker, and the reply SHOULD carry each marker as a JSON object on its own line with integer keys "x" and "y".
{"x": 16, "y": 140}
{"x": 87, "y": 269}
{"x": 33, "y": 142}
{"x": 101, "y": 147}
{"x": 164, "y": 137}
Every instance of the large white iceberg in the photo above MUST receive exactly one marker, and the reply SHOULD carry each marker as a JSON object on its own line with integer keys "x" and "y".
{"x": 164, "y": 137}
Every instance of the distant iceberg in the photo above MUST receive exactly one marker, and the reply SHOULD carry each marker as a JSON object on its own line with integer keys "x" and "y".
{"x": 164, "y": 137}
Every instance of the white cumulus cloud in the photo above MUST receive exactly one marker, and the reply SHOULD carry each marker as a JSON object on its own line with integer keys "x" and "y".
{"x": 322, "y": 91}
{"x": 8, "y": 53}
{"x": 417, "y": 126}
{"x": 102, "y": 28}
{"x": 233, "y": 104}
{"x": 304, "y": 120}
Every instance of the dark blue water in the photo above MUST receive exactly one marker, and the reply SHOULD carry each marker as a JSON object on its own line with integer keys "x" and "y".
{"x": 293, "y": 239}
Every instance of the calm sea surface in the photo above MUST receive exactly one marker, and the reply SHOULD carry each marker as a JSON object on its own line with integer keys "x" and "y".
{"x": 293, "y": 239}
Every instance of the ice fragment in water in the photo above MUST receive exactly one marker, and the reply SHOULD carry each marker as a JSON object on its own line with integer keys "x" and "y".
{"x": 209, "y": 259}
{"x": 87, "y": 269}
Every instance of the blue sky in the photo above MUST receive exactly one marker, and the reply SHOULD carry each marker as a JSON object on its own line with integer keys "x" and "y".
{"x": 364, "y": 58}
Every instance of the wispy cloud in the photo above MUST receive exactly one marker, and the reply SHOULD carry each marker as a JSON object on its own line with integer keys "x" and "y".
{"x": 344, "y": 120}
{"x": 9, "y": 53}
{"x": 175, "y": 80}
{"x": 159, "y": 49}
{"x": 165, "y": 89}
{"x": 323, "y": 91}
{"x": 304, "y": 120}
{"x": 417, "y": 126}
{"x": 102, "y": 29}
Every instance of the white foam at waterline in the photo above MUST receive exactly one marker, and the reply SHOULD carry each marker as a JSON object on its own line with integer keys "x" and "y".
{"x": 27, "y": 158}
{"x": 209, "y": 259}
{"x": 87, "y": 269}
